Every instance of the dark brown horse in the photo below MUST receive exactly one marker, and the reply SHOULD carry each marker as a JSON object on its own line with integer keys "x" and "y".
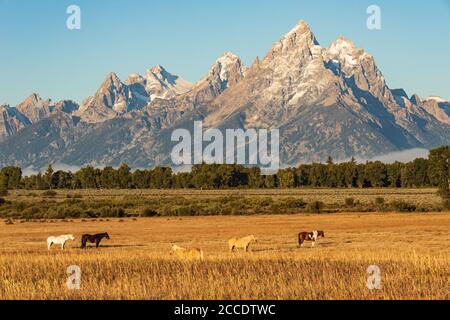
{"x": 310, "y": 236}
{"x": 97, "y": 238}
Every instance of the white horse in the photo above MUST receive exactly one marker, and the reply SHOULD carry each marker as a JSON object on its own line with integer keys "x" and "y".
{"x": 59, "y": 240}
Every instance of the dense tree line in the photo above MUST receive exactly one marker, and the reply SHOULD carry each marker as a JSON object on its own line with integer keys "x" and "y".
{"x": 434, "y": 171}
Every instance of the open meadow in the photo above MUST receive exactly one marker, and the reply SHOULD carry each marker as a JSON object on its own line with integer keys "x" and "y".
{"x": 411, "y": 250}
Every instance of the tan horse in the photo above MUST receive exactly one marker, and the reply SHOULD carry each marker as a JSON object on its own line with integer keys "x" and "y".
{"x": 191, "y": 254}
{"x": 242, "y": 243}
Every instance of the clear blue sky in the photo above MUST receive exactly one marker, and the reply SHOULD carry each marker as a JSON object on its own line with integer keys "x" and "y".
{"x": 39, "y": 54}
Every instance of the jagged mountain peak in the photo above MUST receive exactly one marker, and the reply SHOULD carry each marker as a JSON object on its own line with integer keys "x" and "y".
{"x": 228, "y": 55}
{"x": 359, "y": 70}
{"x": 343, "y": 43}
{"x": 344, "y": 52}
{"x": 109, "y": 100}
{"x": 300, "y": 39}
{"x": 302, "y": 29}
{"x": 228, "y": 67}
{"x": 112, "y": 85}
{"x": 161, "y": 84}
{"x": 226, "y": 72}
{"x": 162, "y": 74}
{"x": 438, "y": 108}
{"x": 158, "y": 69}
{"x": 228, "y": 59}
{"x": 112, "y": 79}
{"x": 32, "y": 100}
{"x": 415, "y": 99}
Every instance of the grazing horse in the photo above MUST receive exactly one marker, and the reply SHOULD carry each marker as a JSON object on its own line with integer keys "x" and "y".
{"x": 194, "y": 253}
{"x": 242, "y": 243}
{"x": 59, "y": 240}
{"x": 97, "y": 238}
{"x": 310, "y": 236}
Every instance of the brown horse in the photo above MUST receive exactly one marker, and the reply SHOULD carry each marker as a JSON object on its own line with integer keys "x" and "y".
{"x": 310, "y": 236}
{"x": 97, "y": 238}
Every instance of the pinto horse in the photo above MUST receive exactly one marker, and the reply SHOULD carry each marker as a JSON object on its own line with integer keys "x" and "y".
{"x": 310, "y": 236}
{"x": 97, "y": 238}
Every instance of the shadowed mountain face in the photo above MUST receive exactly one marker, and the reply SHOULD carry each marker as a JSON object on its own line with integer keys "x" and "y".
{"x": 326, "y": 102}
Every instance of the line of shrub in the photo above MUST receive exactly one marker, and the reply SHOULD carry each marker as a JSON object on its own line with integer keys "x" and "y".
{"x": 74, "y": 207}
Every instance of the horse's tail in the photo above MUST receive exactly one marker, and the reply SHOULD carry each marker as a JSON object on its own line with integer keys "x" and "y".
{"x": 83, "y": 242}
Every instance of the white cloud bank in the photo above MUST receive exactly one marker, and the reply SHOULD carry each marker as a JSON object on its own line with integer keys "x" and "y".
{"x": 400, "y": 156}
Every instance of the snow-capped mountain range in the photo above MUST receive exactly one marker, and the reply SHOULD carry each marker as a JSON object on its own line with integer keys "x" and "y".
{"x": 326, "y": 102}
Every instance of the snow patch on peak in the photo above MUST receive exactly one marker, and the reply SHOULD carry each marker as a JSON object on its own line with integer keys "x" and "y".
{"x": 227, "y": 63}
{"x": 342, "y": 44}
{"x": 437, "y": 99}
{"x": 158, "y": 69}
{"x": 134, "y": 78}
{"x": 163, "y": 85}
{"x": 228, "y": 57}
{"x": 344, "y": 55}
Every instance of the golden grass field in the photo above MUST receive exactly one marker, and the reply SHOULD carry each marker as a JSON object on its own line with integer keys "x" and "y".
{"x": 412, "y": 251}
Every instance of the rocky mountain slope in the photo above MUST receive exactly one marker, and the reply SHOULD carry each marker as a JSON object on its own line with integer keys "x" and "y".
{"x": 30, "y": 111}
{"x": 330, "y": 101}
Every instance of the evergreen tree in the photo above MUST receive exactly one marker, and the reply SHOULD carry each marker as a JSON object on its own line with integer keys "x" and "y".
{"x": 439, "y": 170}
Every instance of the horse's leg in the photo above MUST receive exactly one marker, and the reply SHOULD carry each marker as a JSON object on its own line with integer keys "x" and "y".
{"x": 49, "y": 245}
{"x": 312, "y": 245}
{"x": 97, "y": 243}
{"x": 63, "y": 245}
